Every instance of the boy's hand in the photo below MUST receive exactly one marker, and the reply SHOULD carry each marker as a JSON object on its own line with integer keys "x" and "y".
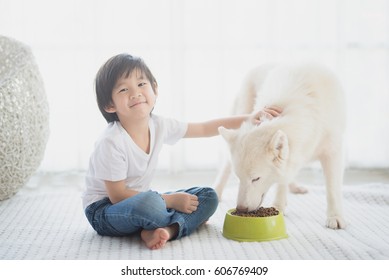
{"x": 181, "y": 201}
{"x": 266, "y": 113}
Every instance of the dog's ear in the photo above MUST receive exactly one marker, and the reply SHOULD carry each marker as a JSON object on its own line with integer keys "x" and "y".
{"x": 228, "y": 134}
{"x": 279, "y": 148}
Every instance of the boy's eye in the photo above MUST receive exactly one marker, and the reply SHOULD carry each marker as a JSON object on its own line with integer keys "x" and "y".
{"x": 141, "y": 84}
{"x": 123, "y": 90}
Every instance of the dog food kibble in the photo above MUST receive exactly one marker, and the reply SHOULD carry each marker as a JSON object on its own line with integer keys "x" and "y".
{"x": 261, "y": 212}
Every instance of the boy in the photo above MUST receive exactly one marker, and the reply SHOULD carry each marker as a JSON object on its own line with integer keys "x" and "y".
{"x": 118, "y": 200}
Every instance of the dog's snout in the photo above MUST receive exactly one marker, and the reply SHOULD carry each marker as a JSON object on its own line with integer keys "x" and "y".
{"x": 242, "y": 209}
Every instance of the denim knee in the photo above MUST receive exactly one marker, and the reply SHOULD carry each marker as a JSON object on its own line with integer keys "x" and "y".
{"x": 148, "y": 203}
{"x": 210, "y": 199}
{"x": 208, "y": 202}
{"x": 150, "y": 198}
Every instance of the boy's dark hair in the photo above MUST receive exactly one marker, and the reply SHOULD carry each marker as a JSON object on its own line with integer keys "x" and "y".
{"x": 116, "y": 67}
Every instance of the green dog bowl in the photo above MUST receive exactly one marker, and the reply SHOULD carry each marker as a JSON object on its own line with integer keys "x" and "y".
{"x": 248, "y": 229}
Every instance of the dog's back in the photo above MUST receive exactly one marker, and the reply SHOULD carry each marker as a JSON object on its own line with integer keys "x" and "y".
{"x": 309, "y": 94}
{"x": 312, "y": 101}
{"x": 302, "y": 88}
{"x": 295, "y": 88}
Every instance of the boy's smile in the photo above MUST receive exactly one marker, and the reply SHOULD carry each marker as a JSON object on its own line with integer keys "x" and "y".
{"x": 139, "y": 100}
{"x": 137, "y": 103}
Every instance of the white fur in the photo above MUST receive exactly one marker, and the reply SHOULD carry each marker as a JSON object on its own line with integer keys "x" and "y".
{"x": 310, "y": 128}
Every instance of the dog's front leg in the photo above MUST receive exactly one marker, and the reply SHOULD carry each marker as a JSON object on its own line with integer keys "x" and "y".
{"x": 280, "y": 199}
{"x": 222, "y": 178}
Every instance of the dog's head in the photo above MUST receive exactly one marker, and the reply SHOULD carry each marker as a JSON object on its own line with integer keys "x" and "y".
{"x": 259, "y": 156}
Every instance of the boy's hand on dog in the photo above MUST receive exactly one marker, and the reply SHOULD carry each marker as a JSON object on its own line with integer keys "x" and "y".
{"x": 181, "y": 201}
{"x": 266, "y": 113}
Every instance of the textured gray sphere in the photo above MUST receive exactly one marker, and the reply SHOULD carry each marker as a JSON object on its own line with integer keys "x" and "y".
{"x": 24, "y": 116}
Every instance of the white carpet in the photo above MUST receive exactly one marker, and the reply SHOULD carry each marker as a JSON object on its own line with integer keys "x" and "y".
{"x": 45, "y": 221}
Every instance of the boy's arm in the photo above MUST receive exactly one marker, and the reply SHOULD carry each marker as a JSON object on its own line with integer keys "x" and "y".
{"x": 210, "y": 128}
{"x": 117, "y": 191}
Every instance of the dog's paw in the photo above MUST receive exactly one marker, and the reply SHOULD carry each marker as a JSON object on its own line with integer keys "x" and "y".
{"x": 336, "y": 222}
{"x": 294, "y": 188}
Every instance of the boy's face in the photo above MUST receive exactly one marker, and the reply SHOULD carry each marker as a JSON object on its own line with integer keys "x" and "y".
{"x": 133, "y": 97}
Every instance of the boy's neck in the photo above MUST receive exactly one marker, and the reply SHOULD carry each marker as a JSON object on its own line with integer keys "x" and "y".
{"x": 139, "y": 133}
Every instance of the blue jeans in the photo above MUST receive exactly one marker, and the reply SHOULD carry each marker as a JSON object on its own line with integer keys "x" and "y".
{"x": 147, "y": 210}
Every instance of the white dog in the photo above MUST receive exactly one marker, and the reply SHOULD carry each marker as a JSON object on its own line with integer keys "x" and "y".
{"x": 310, "y": 128}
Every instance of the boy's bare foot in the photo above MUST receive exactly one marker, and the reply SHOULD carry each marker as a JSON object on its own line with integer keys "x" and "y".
{"x": 157, "y": 238}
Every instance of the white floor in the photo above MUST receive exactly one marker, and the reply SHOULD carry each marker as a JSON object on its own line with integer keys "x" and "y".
{"x": 44, "y": 220}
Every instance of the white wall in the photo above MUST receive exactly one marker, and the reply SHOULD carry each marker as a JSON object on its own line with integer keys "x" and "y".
{"x": 199, "y": 51}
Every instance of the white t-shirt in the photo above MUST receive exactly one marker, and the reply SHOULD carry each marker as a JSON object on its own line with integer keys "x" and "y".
{"x": 116, "y": 157}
